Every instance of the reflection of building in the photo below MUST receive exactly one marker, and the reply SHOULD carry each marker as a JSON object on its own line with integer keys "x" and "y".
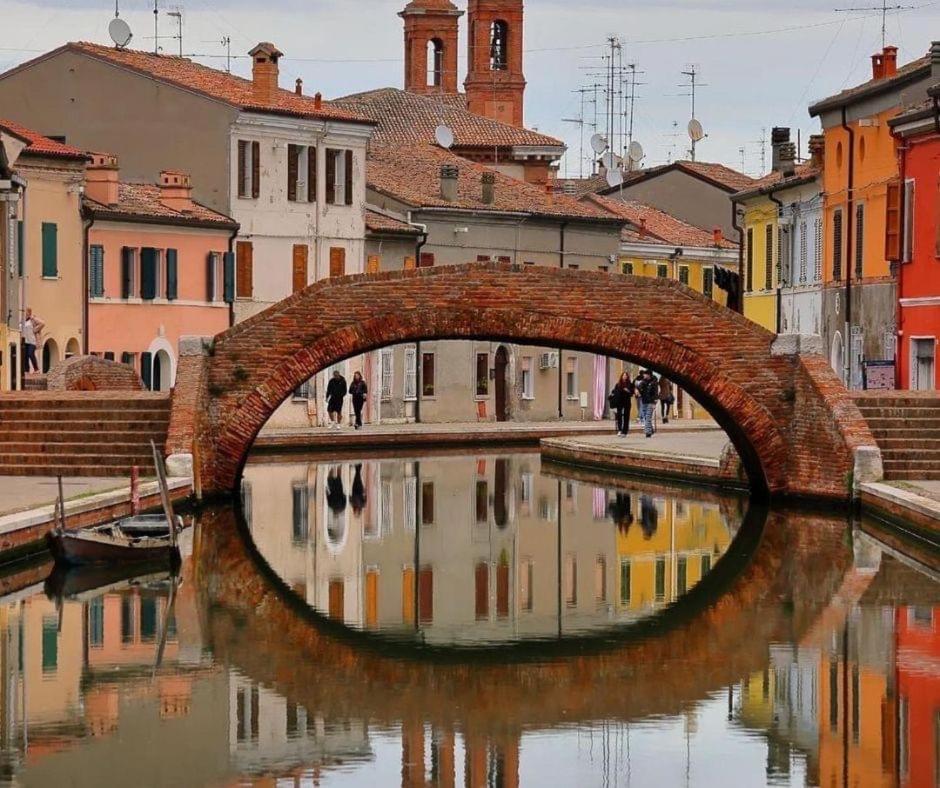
{"x": 466, "y": 550}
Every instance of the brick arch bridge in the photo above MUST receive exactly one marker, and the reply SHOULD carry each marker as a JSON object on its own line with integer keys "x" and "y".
{"x": 795, "y": 427}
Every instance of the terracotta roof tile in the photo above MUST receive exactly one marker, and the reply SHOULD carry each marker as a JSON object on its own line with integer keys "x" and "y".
{"x": 873, "y": 86}
{"x": 405, "y": 117}
{"x": 658, "y": 225}
{"x": 777, "y": 181}
{"x": 142, "y": 201}
{"x": 38, "y": 145}
{"x": 580, "y": 186}
{"x": 718, "y": 174}
{"x": 380, "y": 223}
{"x": 229, "y": 88}
{"x": 412, "y": 175}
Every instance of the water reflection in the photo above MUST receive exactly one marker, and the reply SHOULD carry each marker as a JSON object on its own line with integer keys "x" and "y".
{"x": 503, "y": 552}
{"x": 809, "y": 657}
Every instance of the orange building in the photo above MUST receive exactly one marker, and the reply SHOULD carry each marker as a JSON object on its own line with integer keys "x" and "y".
{"x": 918, "y": 652}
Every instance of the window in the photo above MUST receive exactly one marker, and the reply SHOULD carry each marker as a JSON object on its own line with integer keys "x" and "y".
{"x": 305, "y": 391}
{"x": 411, "y": 373}
{"x": 411, "y": 501}
{"x": 749, "y": 273}
{"x": 784, "y": 262}
{"x": 50, "y": 249}
{"x": 482, "y": 501}
{"x": 662, "y": 271}
{"x": 600, "y": 579}
{"x": 483, "y": 374}
{"x": 908, "y": 244}
{"x": 859, "y": 239}
{"x": 526, "y": 586}
{"x": 427, "y": 503}
{"x": 435, "y": 74}
{"x": 129, "y": 359}
{"x": 96, "y": 622}
{"x": 837, "y": 244}
{"x": 339, "y": 177}
{"x": 708, "y": 282}
{"x": 96, "y": 271}
{"x": 301, "y": 176}
{"x": 148, "y": 619}
{"x": 571, "y": 377}
{"x": 50, "y": 644}
{"x": 626, "y": 268}
{"x": 528, "y": 383}
{"x": 172, "y": 274}
{"x": 373, "y": 264}
{"x": 244, "y": 269}
{"x": 660, "y": 581}
{"x": 337, "y": 261}
{"x": 768, "y": 257}
{"x": 385, "y": 508}
{"x": 215, "y": 276}
{"x": 499, "y": 46}
{"x": 249, "y": 169}
{"x": 148, "y": 274}
{"x": 893, "y": 221}
{"x": 818, "y": 250}
{"x": 20, "y": 249}
{"x": 684, "y": 275}
{"x": 706, "y": 564}
{"x": 427, "y": 374}
{"x": 299, "y": 267}
{"x": 571, "y": 580}
{"x": 301, "y": 513}
{"x": 681, "y": 575}
{"x": 625, "y": 578}
{"x": 804, "y": 253}
{"x": 386, "y": 361}
{"x": 426, "y": 260}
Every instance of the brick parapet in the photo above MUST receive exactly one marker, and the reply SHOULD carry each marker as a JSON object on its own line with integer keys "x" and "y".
{"x": 90, "y": 373}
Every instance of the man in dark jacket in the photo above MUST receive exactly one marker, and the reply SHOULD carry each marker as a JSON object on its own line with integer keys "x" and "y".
{"x": 335, "y": 394}
{"x": 648, "y": 389}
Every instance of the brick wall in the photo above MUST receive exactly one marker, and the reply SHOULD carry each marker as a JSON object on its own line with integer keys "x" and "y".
{"x": 788, "y": 417}
{"x": 90, "y": 373}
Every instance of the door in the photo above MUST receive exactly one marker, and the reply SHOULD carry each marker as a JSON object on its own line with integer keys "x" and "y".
{"x": 502, "y": 398}
{"x": 923, "y": 352}
{"x": 300, "y": 267}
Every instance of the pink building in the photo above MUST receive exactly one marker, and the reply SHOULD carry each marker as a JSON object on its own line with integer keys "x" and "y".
{"x": 159, "y": 267}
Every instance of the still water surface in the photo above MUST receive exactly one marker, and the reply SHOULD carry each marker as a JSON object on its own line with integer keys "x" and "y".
{"x": 480, "y": 621}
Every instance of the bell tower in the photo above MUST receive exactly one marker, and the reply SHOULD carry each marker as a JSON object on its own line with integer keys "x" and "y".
{"x": 495, "y": 84}
{"x": 430, "y": 46}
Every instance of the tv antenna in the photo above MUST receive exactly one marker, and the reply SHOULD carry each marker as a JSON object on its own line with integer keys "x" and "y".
{"x": 156, "y": 28}
{"x": 883, "y": 8}
{"x": 444, "y": 136}
{"x": 177, "y": 13}
{"x": 227, "y": 43}
{"x": 118, "y": 29}
{"x": 696, "y": 132}
{"x": 581, "y": 123}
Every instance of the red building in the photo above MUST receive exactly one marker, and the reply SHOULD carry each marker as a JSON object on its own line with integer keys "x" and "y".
{"x": 913, "y": 240}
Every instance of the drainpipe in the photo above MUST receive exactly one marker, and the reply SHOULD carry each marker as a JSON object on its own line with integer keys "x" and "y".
{"x": 561, "y": 264}
{"x": 419, "y": 245}
{"x": 779, "y": 203}
{"x": 740, "y": 231}
{"x": 86, "y": 228}
{"x": 849, "y": 263}
{"x": 231, "y": 251}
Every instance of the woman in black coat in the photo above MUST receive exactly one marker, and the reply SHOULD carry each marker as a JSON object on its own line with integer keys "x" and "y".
{"x": 621, "y": 398}
{"x": 358, "y": 391}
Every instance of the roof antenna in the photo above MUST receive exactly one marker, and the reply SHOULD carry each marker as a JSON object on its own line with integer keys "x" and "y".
{"x": 156, "y": 29}
{"x": 119, "y": 30}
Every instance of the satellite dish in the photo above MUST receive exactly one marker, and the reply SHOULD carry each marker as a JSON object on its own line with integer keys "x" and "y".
{"x": 696, "y": 132}
{"x": 614, "y": 178}
{"x": 609, "y": 160}
{"x": 444, "y": 136}
{"x": 120, "y": 32}
{"x": 635, "y": 152}
{"x": 598, "y": 143}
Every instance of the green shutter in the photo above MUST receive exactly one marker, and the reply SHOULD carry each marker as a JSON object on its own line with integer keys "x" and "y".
{"x": 210, "y": 277}
{"x": 146, "y": 369}
{"x": 96, "y": 271}
{"x": 148, "y": 273}
{"x": 229, "y": 277}
{"x": 127, "y": 261}
{"x": 171, "y": 274}
{"x": 50, "y": 249}
{"x": 20, "y": 257}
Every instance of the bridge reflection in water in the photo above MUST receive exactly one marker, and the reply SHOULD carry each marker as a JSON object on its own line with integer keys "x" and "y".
{"x": 544, "y": 639}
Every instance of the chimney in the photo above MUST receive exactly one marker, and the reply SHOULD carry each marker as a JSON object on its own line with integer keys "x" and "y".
{"x": 817, "y": 150}
{"x": 264, "y": 71}
{"x": 890, "y": 61}
{"x": 787, "y": 154}
{"x": 489, "y": 187}
{"x": 318, "y": 100}
{"x": 176, "y": 191}
{"x": 550, "y": 192}
{"x": 101, "y": 178}
{"x": 878, "y": 65}
{"x": 717, "y": 236}
{"x": 449, "y": 175}
{"x": 299, "y": 87}
{"x": 779, "y": 136}
{"x": 643, "y": 228}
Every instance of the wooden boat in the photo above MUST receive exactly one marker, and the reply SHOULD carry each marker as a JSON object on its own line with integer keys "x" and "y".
{"x": 85, "y": 583}
{"x": 131, "y": 540}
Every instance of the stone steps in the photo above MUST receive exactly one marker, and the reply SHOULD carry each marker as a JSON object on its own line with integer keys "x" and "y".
{"x": 906, "y": 427}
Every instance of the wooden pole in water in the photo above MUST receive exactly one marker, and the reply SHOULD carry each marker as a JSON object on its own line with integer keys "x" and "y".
{"x": 164, "y": 492}
{"x": 135, "y": 490}
{"x": 61, "y": 504}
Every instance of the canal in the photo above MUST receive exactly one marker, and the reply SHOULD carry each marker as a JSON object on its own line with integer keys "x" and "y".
{"x": 482, "y": 620}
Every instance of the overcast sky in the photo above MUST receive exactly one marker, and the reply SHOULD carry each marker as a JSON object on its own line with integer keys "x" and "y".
{"x": 761, "y": 62}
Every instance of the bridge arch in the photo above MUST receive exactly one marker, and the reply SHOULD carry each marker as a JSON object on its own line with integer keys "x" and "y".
{"x": 796, "y": 429}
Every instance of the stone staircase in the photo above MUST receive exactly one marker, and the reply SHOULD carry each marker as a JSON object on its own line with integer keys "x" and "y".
{"x": 906, "y": 426}
{"x": 80, "y": 433}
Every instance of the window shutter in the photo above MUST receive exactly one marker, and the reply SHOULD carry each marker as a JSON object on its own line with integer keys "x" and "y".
{"x": 349, "y": 177}
{"x": 426, "y": 260}
{"x": 148, "y": 273}
{"x": 907, "y": 250}
{"x": 837, "y": 245}
{"x": 311, "y": 174}
{"x": 242, "y": 174}
{"x": 749, "y": 272}
{"x": 299, "y": 267}
{"x": 373, "y": 264}
{"x": 50, "y": 249}
{"x": 292, "y": 153}
{"x": 210, "y": 277}
{"x": 244, "y": 275}
{"x": 146, "y": 369}
{"x": 98, "y": 272}
{"x": 859, "y": 240}
{"x": 255, "y": 169}
{"x": 411, "y": 367}
{"x": 893, "y": 223}
{"x": 127, "y": 358}
{"x": 228, "y": 277}
{"x": 172, "y": 275}
{"x": 337, "y": 261}
{"x": 20, "y": 258}
{"x": 769, "y": 257}
{"x": 330, "y": 176}
{"x": 127, "y": 260}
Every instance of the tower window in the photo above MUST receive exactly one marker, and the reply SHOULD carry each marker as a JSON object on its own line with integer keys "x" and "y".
{"x": 435, "y": 62}
{"x": 499, "y": 46}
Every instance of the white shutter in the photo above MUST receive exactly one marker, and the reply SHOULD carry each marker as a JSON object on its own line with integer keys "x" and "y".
{"x": 411, "y": 367}
{"x": 386, "y": 360}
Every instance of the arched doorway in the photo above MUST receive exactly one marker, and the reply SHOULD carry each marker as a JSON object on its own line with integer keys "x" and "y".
{"x": 502, "y": 387}
{"x": 837, "y": 356}
{"x": 50, "y": 355}
{"x": 162, "y": 372}
{"x": 72, "y": 348}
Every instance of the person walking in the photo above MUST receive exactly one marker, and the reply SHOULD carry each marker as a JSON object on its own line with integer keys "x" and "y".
{"x": 666, "y": 398}
{"x": 31, "y": 330}
{"x": 336, "y": 392}
{"x": 620, "y": 399}
{"x": 358, "y": 391}
{"x": 357, "y": 497}
{"x": 649, "y": 395}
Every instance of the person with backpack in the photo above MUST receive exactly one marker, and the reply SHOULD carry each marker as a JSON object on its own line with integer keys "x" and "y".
{"x": 648, "y": 389}
{"x": 620, "y": 400}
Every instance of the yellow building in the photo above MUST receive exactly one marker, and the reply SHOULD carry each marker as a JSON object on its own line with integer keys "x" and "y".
{"x": 760, "y": 275}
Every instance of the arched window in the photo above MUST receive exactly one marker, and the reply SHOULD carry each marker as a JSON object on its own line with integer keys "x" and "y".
{"x": 499, "y": 46}
{"x": 435, "y": 62}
